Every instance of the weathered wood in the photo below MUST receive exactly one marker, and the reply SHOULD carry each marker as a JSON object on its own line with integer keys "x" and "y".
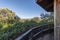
{"x": 57, "y": 19}
{"x": 46, "y": 4}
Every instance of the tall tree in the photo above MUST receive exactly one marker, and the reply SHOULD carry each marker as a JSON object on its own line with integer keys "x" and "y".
{"x": 45, "y": 16}
{"x": 48, "y": 16}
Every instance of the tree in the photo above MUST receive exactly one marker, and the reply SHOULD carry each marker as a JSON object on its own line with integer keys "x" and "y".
{"x": 45, "y": 16}
{"x": 36, "y": 19}
{"x": 16, "y": 18}
{"x": 51, "y": 18}
{"x": 6, "y": 14}
{"x": 48, "y": 17}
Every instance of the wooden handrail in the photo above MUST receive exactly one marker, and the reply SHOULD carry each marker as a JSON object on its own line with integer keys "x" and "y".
{"x": 30, "y": 34}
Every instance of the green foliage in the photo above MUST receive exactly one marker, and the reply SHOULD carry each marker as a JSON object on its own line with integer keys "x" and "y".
{"x": 11, "y": 25}
{"x": 0, "y": 25}
{"x": 6, "y": 14}
{"x": 48, "y": 17}
{"x": 10, "y": 31}
{"x": 30, "y": 23}
{"x": 45, "y": 16}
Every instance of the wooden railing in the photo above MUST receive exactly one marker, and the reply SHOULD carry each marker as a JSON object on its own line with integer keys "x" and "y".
{"x": 35, "y": 31}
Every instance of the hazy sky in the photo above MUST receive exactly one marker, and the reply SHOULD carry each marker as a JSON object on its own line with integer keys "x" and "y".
{"x": 23, "y": 8}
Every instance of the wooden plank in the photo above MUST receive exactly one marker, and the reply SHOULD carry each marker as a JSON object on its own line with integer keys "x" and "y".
{"x": 46, "y": 4}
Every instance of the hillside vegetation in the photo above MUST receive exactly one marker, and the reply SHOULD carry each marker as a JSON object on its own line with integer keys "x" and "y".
{"x": 11, "y": 25}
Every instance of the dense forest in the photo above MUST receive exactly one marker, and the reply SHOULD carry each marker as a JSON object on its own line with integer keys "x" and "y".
{"x": 11, "y": 25}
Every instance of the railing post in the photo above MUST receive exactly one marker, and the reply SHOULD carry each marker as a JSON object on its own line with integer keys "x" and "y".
{"x": 57, "y": 19}
{"x": 31, "y": 36}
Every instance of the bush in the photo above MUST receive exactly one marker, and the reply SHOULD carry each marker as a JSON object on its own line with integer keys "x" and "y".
{"x": 18, "y": 27}
{"x": 1, "y": 25}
